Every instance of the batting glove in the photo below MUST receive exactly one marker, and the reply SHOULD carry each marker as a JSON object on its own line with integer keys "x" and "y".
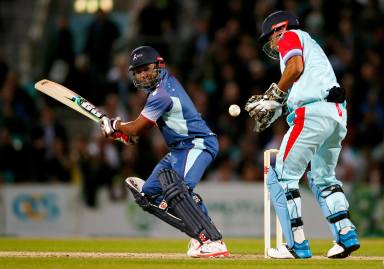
{"x": 109, "y": 129}
{"x": 109, "y": 126}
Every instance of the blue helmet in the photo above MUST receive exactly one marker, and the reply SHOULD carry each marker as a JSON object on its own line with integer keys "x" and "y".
{"x": 146, "y": 55}
{"x": 275, "y": 21}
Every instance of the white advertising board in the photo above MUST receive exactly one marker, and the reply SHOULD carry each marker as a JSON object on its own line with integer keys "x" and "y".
{"x": 57, "y": 210}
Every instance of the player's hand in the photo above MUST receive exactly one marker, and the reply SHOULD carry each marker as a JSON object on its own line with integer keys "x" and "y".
{"x": 260, "y": 125}
{"x": 264, "y": 106}
{"x": 109, "y": 129}
{"x": 252, "y": 103}
{"x": 258, "y": 105}
{"x": 263, "y": 111}
{"x": 271, "y": 99}
{"x": 266, "y": 118}
{"x": 275, "y": 94}
{"x": 120, "y": 136}
{"x": 108, "y": 126}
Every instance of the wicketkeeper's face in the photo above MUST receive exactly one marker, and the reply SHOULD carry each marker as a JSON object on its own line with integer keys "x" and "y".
{"x": 274, "y": 38}
{"x": 271, "y": 47}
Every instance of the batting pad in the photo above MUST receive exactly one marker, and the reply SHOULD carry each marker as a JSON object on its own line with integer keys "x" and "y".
{"x": 180, "y": 201}
{"x": 135, "y": 185}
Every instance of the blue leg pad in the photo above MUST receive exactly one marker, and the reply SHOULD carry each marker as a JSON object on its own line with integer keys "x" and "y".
{"x": 279, "y": 202}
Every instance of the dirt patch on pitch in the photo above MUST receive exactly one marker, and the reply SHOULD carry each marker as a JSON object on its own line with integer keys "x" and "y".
{"x": 127, "y": 255}
{"x": 34, "y": 254}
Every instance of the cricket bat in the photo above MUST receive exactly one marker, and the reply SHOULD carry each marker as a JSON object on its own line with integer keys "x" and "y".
{"x": 69, "y": 98}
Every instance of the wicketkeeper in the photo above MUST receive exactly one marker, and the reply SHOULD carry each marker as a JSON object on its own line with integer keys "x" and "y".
{"x": 168, "y": 192}
{"x": 317, "y": 117}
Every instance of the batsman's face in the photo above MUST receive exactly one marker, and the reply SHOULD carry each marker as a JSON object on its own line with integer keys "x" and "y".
{"x": 145, "y": 75}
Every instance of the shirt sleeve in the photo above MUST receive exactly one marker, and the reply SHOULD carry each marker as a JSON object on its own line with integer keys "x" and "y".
{"x": 158, "y": 102}
{"x": 289, "y": 46}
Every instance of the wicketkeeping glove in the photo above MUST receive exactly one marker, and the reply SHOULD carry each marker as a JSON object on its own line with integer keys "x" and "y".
{"x": 264, "y": 112}
{"x": 266, "y": 108}
{"x": 275, "y": 94}
{"x": 267, "y": 119}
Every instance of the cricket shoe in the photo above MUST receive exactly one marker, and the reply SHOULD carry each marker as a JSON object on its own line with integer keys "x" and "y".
{"x": 298, "y": 251}
{"x": 193, "y": 247}
{"x": 209, "y": 249}
{"x": 346, "y": 244}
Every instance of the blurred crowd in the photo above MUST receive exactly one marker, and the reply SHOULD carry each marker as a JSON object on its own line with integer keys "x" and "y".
{"x": 211, "y": 47}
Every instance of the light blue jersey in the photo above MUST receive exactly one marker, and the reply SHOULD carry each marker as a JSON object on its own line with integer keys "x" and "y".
{"x": 312, "y": 119}
{"x": 318, "y": 76}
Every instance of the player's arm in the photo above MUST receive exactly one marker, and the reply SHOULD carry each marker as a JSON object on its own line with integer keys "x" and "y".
{"x": 293, "y": 69}
{"x": 157, "y": 103}
{"x": 126, "y": 132}
{"x": 266, "y": 108}
{"x": 291, "y": 51}
{"x": 136, "y": 127}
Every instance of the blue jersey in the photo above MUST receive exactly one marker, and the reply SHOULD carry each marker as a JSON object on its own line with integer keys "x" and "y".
{"x": 174, "y": 113}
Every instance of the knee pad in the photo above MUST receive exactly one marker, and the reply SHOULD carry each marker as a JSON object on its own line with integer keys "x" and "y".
{"x": 334, "y": 206}
{"x": 338, "y": 206}
{"x": 335, "y": 198}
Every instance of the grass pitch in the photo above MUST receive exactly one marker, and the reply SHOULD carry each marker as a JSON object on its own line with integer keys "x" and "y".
{"x": 168, "y": 254}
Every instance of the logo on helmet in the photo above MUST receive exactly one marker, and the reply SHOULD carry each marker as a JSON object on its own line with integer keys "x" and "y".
{"x": 137, "y": 56}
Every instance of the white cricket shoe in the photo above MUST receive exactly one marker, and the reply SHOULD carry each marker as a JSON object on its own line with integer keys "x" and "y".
{"x": 298, "y": 251}
{"x": 335, "y": 250}
{"x": 347, "y": 243}
{"x": 193, "y": 247}
{"x": 209, "y": 249}
{"x": 281, "y": 252}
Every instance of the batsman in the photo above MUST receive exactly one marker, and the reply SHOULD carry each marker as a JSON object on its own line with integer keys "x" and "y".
{"x": 317, "y": 117}
{"x": 168, "y": 192}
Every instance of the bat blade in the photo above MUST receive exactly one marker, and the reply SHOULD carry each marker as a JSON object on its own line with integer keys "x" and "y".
{"x": 69, "y": 98}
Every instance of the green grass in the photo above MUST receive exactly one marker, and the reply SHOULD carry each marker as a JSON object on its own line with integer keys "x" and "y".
{"x": 21, "y": 263}
{"x": 370, "y": 247}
